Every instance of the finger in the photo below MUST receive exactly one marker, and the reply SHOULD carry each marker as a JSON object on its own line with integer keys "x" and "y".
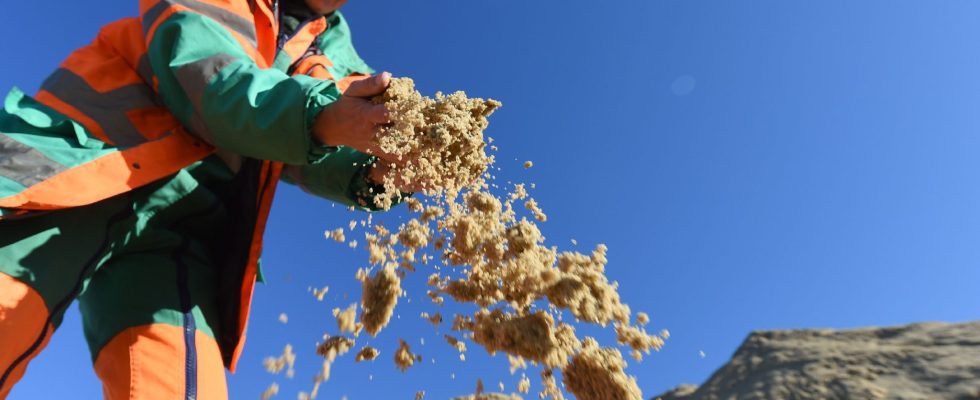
{"x": 369, "y": 87}
{"x": 375, "y": 149}
{"x": 377, "y": 114}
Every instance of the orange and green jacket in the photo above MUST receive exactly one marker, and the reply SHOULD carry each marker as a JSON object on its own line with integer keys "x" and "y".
{"x": 184, "y": 80}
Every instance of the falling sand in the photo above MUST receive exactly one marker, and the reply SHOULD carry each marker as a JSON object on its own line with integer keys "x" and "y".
{"x": 404, "y": 357}
{"x": 368, "y": 353}
{"x": 331, "y": 348}
{"x": 287, "y": 360}
{"x": 496, "y": 259}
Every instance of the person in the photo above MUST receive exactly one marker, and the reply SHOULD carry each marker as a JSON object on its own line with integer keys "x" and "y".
{"x": 139, "y": 178}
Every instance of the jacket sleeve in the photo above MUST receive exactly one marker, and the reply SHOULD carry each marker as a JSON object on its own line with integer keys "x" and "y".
{"x": 342, "y": 174}
{"x": 199, "y": 54}
{"x": 336, "y": 43}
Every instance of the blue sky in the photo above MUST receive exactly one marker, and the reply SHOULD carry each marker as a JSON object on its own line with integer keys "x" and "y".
{"x": 750, "y": 164}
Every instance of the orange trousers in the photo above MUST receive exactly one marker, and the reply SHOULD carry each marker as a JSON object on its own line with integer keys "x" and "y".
{"x": 139, "y": 265}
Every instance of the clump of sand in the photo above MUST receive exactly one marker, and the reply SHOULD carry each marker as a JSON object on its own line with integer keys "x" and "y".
{"x": 368, "y": 353}
{"x": 404, "y": 358}
{"x": 320, "y": 293}
{"x": 331, "y": 348}
{"x": 347, "y": 320}
{"x": 599, "y": 373}
{"x": 550, "y": 389}
{"x": 287, "y": 360}
{"x": 270, "y": 392}
{"x": 524, "y": 385}
{"x": 533, "y": 337}
{"x": 434, "y": 319}
{"x": 337, "y": 235}
{"x": 379, "y": 297}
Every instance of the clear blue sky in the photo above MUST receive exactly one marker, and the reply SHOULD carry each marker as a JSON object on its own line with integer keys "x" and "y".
{"x": 750, "y": 164}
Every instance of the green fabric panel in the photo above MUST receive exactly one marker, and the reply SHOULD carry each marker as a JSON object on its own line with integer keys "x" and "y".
{"x": 48, "y": 131}
{"x": 52, "y": 252}
{"x": 143, "y": 289}
{"x": 120, "y": 256}
{"x": 9, "y": 187}
{"x": 258, "y": 113}
{"x": 61, "y": 142}
{"x": 341, "y": 176}
{"x": 316, "y": 104}
{"x": 20, "y": 109}
{"x": 173, "y": 46}
{"x": 336, "y": 43}
{"x": 330, "y": 178}
{"x": 259, "y": 273}
{"x": 282, "y": 62}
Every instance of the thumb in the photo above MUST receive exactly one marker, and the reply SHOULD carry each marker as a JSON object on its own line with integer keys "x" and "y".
{"x": 369, "y": 87}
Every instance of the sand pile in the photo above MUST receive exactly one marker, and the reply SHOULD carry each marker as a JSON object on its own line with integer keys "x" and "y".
{"x": 479, "y": 248}
{"x": 919, "y": 361}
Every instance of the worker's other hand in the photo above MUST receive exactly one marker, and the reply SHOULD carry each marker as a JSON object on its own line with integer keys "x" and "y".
{"x": 352, "y": 120}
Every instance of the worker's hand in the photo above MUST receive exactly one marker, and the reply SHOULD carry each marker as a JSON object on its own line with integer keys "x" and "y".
{"x": 352, "y": 120}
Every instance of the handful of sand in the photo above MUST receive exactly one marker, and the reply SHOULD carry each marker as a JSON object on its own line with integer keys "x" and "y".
{"x": 438, "y": 141}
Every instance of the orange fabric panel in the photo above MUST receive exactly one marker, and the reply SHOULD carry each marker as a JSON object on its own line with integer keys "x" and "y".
{"x": 125, "y": 37}
{"x": 147, "y": 362}
{"x": 251, "y": 269}
{"x": 320, "y": 72}
{"x": 298, "y": 44}
{"x": 112, "y": 174}
{"x": 146, "y": 5}
{"x": 266, "y": 32}
{"x": 23, "y": 316}
{"x": 343, "y": 84}
{"x": 153, "y": 122}
{"x": 101, "y": 64}
{"x": 315, "y": 66}
{"x": 70, "y": 111}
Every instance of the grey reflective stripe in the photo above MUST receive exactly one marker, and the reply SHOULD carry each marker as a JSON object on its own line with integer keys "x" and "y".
{"x": 107, "y": 109}
{"x": 231, "y": 20}
{"x": 194, "y": 79}
{"x": 151, "y": 16}
{"x": 241, "y": 25}
{"x": 24, "y": 165}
